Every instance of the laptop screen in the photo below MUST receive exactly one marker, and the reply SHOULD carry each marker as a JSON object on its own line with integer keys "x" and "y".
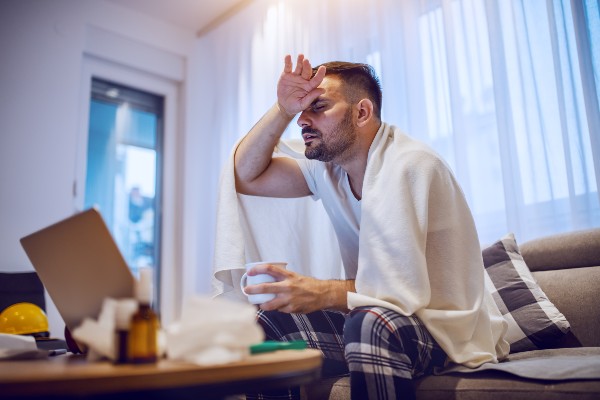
{"x": 80, "y": 265}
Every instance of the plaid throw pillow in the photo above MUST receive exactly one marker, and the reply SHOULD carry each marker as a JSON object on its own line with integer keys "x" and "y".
{"x": 533, "y": 321}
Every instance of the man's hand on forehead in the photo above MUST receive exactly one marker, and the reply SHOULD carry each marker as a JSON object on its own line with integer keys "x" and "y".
{"x": 297, "y": 88}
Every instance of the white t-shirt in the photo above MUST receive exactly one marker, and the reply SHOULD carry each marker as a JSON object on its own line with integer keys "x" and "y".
{"x": 330, "y": 183}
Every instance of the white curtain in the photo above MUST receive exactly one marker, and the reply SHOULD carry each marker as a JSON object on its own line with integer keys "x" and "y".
{"x": 505, "y": 90}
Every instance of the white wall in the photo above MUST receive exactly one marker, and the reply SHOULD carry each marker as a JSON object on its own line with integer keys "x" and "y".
{"x": 42, "y": 50}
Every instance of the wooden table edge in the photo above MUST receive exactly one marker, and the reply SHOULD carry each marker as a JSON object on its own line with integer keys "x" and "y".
{"x": 68, "y": 376}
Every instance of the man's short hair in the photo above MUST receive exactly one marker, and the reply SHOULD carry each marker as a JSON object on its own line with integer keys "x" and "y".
{"x": 358, "y": 79}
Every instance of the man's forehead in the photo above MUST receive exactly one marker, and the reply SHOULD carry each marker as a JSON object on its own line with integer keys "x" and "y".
{"x": 332, "y": 85}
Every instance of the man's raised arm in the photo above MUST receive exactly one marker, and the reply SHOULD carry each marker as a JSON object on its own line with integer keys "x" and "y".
{"x": 256, "y": 172}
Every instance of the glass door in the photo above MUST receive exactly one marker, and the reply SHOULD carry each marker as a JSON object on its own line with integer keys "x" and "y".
{"x": 124, "y": 169}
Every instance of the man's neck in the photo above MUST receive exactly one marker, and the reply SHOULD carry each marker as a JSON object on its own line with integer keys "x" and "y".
{"x": 355, "y": 165}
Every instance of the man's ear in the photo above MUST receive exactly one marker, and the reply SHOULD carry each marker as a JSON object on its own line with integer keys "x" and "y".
{"x": 365, "y": 112}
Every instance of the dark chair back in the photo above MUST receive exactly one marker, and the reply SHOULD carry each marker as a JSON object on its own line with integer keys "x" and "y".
{"x": 17, "y": 287}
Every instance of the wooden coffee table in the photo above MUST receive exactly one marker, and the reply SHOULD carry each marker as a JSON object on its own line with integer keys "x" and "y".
{"x": 72, "y": 376}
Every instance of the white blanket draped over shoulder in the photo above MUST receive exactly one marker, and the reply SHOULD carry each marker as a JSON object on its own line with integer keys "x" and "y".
{"x": 419, "y": 252}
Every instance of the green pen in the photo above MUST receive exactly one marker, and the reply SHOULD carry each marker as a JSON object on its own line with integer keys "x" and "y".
{"x": 272, "y": 345}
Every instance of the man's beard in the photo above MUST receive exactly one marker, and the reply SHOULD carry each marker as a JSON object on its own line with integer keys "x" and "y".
{"x": 339, "y": 140}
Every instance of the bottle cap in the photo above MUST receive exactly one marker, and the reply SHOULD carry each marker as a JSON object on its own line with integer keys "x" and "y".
{"x": 124, "y": 310}
{"x": 143, "y": 288}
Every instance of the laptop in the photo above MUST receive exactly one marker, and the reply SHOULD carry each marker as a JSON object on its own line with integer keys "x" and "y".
{"x": 80, "y": 265}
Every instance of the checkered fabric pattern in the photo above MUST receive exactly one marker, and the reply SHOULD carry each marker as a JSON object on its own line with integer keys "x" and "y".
{"x": 385, "y": 351}
{"x": 533, "y": 321}
{"x": 380, "y": 349}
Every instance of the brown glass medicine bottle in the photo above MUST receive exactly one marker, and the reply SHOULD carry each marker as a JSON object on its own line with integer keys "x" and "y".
{"x": 143, "y": 331}
{"x": 124, "y": 310}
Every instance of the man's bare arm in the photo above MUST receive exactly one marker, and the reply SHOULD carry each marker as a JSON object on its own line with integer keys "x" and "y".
{"x": 256, "y": 172}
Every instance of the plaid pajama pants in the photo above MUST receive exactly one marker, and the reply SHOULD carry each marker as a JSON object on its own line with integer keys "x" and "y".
{"x": 381, "y": 350}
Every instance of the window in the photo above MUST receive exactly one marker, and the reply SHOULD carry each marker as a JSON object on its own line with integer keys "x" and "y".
{"x": 123, "y": 173}
{"x": 509, "y": 95}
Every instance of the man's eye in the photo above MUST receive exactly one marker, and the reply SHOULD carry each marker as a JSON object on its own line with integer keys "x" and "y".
{"x": 318, "y": 107}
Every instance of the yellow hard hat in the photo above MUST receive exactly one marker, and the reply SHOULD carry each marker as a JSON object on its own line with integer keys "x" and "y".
{"x": 24, "y": 319}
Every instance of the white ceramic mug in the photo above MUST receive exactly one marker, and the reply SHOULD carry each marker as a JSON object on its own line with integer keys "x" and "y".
{"x": 256, "y": 279}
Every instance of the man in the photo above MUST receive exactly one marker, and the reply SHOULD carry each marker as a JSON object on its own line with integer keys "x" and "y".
{"x": 416, "y": 298}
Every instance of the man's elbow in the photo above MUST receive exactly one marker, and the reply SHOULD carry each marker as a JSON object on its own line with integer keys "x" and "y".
{"x": 242, "y": 186}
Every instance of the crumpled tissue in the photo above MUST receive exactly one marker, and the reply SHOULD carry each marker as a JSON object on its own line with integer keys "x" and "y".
{"x": 19, "y": 347}
{"x": 99, "y": 335}
{"x": 213, "y": 331}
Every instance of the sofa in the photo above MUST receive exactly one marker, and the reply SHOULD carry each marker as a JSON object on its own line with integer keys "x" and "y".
{"x": 567, "y": 269}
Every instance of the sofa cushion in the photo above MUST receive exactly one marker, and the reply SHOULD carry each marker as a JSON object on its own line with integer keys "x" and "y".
{"x": 490, "y": 385}
{"x": 533, "y": 321}
{"x": 574, "y": 374}
{"x": 501, "y": 386}
{"x": 564, "y": 250}
{"x": 575, "y": 292}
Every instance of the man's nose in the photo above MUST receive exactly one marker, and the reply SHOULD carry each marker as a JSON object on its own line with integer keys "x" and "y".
{"x": 303, "y": 120}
